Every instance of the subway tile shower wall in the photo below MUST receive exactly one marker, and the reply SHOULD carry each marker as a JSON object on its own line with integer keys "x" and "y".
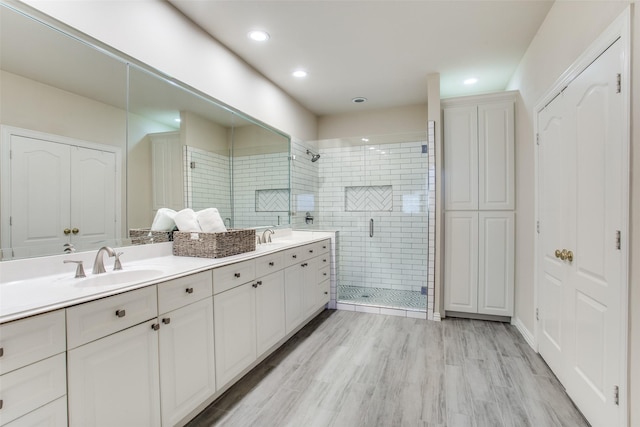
{"x": 207, "y": 182}
{"x": 305, "y": 184}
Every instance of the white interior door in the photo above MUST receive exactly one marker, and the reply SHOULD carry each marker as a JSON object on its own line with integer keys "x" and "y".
{"x": 40, "y": 196}
{"x": 93, "y": 197}
{"x": 581, "y": 210}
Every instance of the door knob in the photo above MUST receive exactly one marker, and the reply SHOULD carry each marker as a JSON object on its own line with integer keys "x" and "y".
{"x": 67, "y": 231}
{"x": 569, "y": 256}
{"x": 75, "y": 231}
{"x": 558, "y": 254}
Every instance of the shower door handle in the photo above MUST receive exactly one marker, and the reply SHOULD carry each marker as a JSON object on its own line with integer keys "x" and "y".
{"x": 371, "y": 227}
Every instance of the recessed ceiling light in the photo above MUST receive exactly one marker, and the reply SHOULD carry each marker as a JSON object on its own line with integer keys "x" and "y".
{"x": 359, "y": 100}
{"x": 299, "y": 74}
{"x": 258, "y": 35}
{"x": 471, "y": 81}
{"x": 365, "y": 139}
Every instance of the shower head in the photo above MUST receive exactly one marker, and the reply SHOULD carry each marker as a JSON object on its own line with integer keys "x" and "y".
{"x": 314, "y": 157}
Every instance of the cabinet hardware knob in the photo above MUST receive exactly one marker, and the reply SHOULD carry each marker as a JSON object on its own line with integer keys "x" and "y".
{"x": 255, "y": 285}
{"x": 237, "y": 275}
{"x": 1, "y": 351}
{"x": 324, "y": 246}
{"x": 304, "y": 264}
{"x": 558, "y": 253}
{"x": 326, "y": 293}
{"x": 75, "y": 230}
{"x": 324, "y": 260}
{"x": 155, "y": 326}
{"x": 0, "y": 403}
{"x": 166, "y": 320}
{"x": 121, "y": 313}
{"x": 66, "y": 231}
{"x": 324, "y": 274}
{"x": 310, "y": 251}
{"x": 271, "y": 264}
{"x": 189, "y": 290}
{"x": 294, "y": 256}
{"x": 259, "y": 282}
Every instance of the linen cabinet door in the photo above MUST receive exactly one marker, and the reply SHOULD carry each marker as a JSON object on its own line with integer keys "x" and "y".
{"x": 496, "y": 156}
{"x": 270, "y": 311}
{"x": 187, "y": 360}
{"x": 496, "y": 261}
{"x": 461, "y": 158}
{"x": 235, "y": 331}
{"x": 114, "y": 381}
{"x": 461, "y": 261}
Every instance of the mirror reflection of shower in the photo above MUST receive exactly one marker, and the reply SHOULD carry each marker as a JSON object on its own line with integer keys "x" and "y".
{"x": 314, "y": 157}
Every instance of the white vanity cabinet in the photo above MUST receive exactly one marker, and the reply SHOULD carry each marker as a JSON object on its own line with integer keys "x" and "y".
{"x": 249, "y": 319}
{"x": 113, "y": 361}
{"x": 186, "y": 346}
{"x": 33, "y": 370}
{"x": 479, "y": 204}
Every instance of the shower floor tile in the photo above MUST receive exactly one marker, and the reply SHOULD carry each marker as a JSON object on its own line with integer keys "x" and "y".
{"x": 379, "y": 297}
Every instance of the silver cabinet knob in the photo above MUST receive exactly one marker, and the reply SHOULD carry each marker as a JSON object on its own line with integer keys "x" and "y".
{"x": 310, "y": 251}
{"x": 326, "y": 293}
{"x": 121, "y": 313}
{"x": 166, "y": 320}
{"x": 155, "y": 326}
{"x": 259, "y": 282}
{"x": 189, "y": 290}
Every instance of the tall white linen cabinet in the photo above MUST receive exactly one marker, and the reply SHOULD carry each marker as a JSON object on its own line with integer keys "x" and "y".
{"x": 479, "y": 204}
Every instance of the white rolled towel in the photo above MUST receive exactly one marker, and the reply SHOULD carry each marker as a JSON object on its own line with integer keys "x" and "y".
{"x": 163, "y": 221}
{"x": 186, "y": 220}
{"x": 210, "y": 221}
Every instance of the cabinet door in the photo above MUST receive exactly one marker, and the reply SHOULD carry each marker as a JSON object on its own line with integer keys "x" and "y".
{"x": 496, "y": 260}
{"x": 461, "y": 261}
{"x": 114, "y": 381}
{"x": 496, "y": 156}
{"x": 310, "y": 288}
{"x": 270, "y": 315}
{"x": 93, "y": 216}
{"x": 235, "y": 331}
{"x": 461, "y": 158}
{"x": 187, "y": 368}
{"x": 293, "y": 296}
{"x": 166, "y": 171}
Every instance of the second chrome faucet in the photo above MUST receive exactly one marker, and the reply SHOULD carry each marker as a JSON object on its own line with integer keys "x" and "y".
{"x": 98, "y": 263}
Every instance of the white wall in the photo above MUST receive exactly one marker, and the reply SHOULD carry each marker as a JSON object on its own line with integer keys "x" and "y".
{"x": 569, "y": 28}
{"x": 155, "y": 33}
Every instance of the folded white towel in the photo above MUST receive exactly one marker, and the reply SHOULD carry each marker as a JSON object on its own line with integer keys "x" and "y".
{"x": 186, "y": 220}
{"x": 210, "y": 221}
{"x": 163, "y": 220}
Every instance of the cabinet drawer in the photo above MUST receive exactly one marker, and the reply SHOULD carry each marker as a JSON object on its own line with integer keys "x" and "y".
{"x": 324, "y": 292}
{"x": 93, "y": 320}
{"x": 297, "y": 255}
{"x": 28, "y": 340}
{"x": 26, "y": 389}
{"x": 52, "y": 414}
{"x": 324, "y": 273}
{"x": 269, "y": 263}
{"x": 230, "y": 276}
{"x": 324, "y": 260}
{"x": 185, "y": 290}
{"x": 322, "y": 247}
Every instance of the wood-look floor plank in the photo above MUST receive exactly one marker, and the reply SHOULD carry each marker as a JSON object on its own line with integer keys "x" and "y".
{"x": 350, "y": 369}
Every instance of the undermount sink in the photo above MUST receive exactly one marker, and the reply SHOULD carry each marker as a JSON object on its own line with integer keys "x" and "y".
{"x": 112, "y": 278}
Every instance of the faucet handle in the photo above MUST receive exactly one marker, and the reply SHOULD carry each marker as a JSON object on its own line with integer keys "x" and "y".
{"x": 79, "y": 268}
{"x": 117, "y": 265}
{"x": 69, "y": 248}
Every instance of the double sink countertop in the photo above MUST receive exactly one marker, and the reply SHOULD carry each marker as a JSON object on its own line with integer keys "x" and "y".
{"x": 37, "y": 285}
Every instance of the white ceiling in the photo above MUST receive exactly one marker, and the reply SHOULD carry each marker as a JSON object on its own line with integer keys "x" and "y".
{"x": 381, "y": 50}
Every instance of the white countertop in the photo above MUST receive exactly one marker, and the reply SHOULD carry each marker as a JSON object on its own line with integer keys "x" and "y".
{"x": 33, "y": 286}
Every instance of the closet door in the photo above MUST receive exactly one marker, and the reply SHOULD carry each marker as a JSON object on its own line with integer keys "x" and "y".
{"x": 461, "y": 158}
{"x": 496, "y": 156}
{"x": 461, "y": 261}
{"x": 93, "y": 197}
{"x": 40, "y": 196}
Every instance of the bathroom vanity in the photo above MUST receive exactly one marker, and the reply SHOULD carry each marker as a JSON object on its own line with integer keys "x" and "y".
{"x": 151, "y": 352}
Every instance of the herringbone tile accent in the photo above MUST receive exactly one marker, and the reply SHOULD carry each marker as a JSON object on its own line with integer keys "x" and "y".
{"x": 276, "y": 200}
{"x": 369, "y": 198}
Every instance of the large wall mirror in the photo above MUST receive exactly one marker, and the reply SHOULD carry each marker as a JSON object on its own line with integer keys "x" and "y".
{"x": 92, "y": 145}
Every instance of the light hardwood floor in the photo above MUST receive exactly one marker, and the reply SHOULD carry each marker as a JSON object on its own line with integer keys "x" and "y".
{"x": 349, "y": 369}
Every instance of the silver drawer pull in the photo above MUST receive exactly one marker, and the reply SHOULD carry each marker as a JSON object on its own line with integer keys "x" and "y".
{"x": 155, "y": 326}
{"x": 121, "y": 313}
{"x": 189, "y": 290}
{"x": 1, "y": 351}
{"x": 271, "y": 264}
{"x": 166, "y": 320}
{"x": 237, "y": 275}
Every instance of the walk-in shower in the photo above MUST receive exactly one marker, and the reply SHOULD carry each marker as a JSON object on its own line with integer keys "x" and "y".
{"x": 375, "y": 192}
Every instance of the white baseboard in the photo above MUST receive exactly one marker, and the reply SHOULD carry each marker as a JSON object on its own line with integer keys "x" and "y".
{"x": 526, "y": 333}
{"x": 436, "y": 316}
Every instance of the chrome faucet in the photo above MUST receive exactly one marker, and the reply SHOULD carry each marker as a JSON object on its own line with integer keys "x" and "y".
{"x": 98, "y": 264}
{"x": 264, "y": 235}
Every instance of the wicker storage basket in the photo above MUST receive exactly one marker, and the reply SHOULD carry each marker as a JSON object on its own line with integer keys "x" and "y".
{"x": 214, "y": 245}
{"x": 144, "y": 236}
